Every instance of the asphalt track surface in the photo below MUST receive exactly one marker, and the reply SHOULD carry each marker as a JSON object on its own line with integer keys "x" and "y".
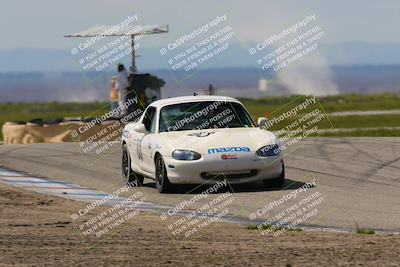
{"x": 358, "y": 178}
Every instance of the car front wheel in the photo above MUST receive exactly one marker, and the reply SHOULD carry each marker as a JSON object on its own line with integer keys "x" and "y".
{"x": 129, "y": 177}
{"x": 163, "y": 185}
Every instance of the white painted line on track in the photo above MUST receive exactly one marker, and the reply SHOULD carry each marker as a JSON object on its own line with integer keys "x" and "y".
{"x": 79, "y": 193}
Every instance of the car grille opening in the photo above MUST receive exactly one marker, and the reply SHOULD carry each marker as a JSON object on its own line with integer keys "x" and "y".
{"x": 228, "y": 175}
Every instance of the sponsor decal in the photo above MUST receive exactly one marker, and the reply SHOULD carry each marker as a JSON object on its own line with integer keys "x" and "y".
{"x": 228, "y": 149}
{"x": 228, "y": 156}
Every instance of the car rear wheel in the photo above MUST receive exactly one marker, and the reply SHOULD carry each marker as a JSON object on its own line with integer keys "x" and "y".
{"x": 129, "y": 177}
{"x": 277, "y": 182}
{"x": 163, "y": 184}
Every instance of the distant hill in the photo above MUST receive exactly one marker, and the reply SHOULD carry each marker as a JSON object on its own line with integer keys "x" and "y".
{"x": 44, "y": 60}
{"x": 74, "y": 86}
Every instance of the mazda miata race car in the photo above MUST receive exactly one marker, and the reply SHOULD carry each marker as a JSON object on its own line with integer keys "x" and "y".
{"x": 197, "y": 140}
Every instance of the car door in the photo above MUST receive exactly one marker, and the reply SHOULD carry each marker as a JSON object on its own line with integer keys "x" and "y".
{"x": 147, "y": 141}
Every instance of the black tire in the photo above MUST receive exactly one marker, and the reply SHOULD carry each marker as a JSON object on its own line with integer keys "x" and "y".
{"x": 277, "y": 182}
{"x": 129, "y": 177}
{"x": 163, "y": 185}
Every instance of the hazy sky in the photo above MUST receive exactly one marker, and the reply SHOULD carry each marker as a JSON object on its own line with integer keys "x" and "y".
{"x": 42, "y": 23}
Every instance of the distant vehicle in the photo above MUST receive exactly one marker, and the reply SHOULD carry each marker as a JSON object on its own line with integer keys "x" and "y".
{"x": 197, "y": 140}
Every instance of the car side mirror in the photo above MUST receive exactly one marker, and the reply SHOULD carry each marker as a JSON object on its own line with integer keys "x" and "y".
{"x": 140, "y": 128}
{"x": 262, "y": 122}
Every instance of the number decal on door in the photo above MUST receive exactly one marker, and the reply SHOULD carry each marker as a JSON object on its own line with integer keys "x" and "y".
{"x": 139, "y": 148}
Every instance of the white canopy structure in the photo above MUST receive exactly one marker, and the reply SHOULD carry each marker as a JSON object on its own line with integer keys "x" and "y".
{"x": 124, "y": 30}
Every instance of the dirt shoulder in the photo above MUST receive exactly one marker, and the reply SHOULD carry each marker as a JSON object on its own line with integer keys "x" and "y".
{"x": 37, "y": 230}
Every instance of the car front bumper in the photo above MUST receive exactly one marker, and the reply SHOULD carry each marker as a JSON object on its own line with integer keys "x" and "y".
{"x": 246, "y": 168}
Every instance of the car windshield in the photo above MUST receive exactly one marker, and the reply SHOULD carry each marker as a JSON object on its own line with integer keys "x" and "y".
{"x": 204, "y": 115}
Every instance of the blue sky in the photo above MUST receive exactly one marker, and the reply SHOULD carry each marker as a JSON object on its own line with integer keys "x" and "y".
{"x": 42, "y": 23}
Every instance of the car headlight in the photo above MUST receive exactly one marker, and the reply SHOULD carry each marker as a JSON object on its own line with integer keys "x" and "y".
{"x": 269, "y": 151}
{"x": 185, "y": 155}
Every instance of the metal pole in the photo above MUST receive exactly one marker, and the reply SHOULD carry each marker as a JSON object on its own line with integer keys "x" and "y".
{"x": 133, "y": 54}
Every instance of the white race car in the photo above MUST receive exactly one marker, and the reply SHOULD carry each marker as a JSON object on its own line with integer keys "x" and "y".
{"x": 197, "y": 140}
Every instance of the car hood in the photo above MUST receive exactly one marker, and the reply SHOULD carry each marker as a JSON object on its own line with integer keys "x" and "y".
{"x": 202, "y": 141}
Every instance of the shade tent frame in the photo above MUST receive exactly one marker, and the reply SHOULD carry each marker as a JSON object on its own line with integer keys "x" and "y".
{"x": 113, "y": 31}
